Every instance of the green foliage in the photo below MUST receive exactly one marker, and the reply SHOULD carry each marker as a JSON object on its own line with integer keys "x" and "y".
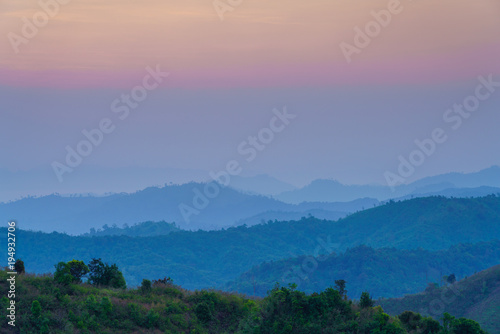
{"x": 19, "y": 266}
{"x": 430, "y": 326}
{"x": 464, "y": 298}
{"x": 340, "y": 287}
{"x": 146, "y": 286}
{"x": 83, "y": 308}
{"x": 386, "y": 271}
{"x": 70, "y": 272}
{"x": 466, "y": 326}
{"x": 77, "y": 269}
{"x": 152, "y": 319}
{"x": 92, "y": 304}
{"x": 204, "y": 311}
{"x": 39, "y": 322}
{"x": 36, "y": 309}
{"x": 203, "y": 259}
{"x": 106, "y": 306}
{"x": 62, "y": 274}
{"x": 102, "y": 274}
{"x": 287, "y": 310}
{"x": 413, "y": 321}
{"x": 365, "y": 300}
{"x": 410, "y": 320}
{"x": 145, "y": 229}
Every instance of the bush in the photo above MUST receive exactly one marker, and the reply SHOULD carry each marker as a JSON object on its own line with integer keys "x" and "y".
{"x": 146, "y": 286}
{"x": 152, "y": 319}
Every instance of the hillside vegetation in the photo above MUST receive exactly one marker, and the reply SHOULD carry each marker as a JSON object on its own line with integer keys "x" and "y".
{"x": 46, "y": 306}
{"x": 386, "y": 272}
{"x": 145, "y": 229}
{"x": 476, "y": 297}
{"x": 211, "y": 259}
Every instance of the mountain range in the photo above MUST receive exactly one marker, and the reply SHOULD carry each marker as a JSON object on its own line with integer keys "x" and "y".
{"x": 211, "y": 206}
{"x": 201, "y": 259}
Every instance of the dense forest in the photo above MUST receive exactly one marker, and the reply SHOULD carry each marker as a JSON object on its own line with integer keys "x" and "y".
{"x": 211, "y": 259}
{"x": 145, "y": 229}
{"x": 61, "y": 303}
{"x": 385, "y": 272}
{"x": 476, "y": 297}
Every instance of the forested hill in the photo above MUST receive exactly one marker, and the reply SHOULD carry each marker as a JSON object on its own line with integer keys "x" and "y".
{"x": 430, "y": 223}
{"x": 203, "y": 259}
{"x": 144, "y": 229}
{"x": 476, "y": 297}
{"x": 386, "y": 272}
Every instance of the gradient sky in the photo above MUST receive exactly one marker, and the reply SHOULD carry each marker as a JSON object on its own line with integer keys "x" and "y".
{"x": 353, "y": 119}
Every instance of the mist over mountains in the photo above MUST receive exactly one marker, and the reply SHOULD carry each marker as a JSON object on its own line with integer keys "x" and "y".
{"x": 451, "y": 184}
{"x": 246, "y": 201}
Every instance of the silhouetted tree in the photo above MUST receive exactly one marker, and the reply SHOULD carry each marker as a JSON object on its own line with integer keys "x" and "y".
{"x": 146, "y": 286}
{"x": 19, "y": 266}
{"x": 365, "y": 300}
{"x": 340, "y": 287}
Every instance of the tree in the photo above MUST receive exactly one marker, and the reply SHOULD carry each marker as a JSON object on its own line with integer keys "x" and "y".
{"x": 36, "y": 309}
{"x": 451, "y": 279}
{"x": 366, "y": 300}
{"x": 162, "y": 282}
{"x": 430, "y": 326}
{"x": 146, "y": 286}
{"x": 62, "y": 274}
{"x": 70, "y": 272}
{"x": 102, "y": 274}
{"x": 39, "y": 322}
{"x": 19, "y": 266}
{"x": 115, "y": 277}
{"x": 448, "y": 320}
{"x": 96, "y": 272}
{"x": 77, "y": 269}
{"x": 466, "y": 326}
{"x": 340, "y": 287}
{"x": 410, "y": 319}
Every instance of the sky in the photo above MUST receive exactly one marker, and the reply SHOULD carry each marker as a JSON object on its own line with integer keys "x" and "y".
{"x": 63, "y": 65}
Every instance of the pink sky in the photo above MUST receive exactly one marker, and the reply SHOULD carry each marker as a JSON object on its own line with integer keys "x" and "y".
{"x": 260, "y": 43}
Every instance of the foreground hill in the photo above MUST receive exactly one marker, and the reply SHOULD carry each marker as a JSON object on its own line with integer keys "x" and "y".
{"x": 207, "y": 259}
{"x": 384, "y": 272}
{"x": 50, "y": 307}
{"x": 476, "y": 297}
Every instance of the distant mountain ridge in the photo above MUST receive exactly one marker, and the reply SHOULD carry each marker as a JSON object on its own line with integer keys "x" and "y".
{"x": 77, "y": 214}
{"x": 324, "y": 199}
{"x": 330, "y": 190}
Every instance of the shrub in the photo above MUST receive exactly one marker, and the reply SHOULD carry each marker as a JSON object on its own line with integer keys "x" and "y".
{"x": 146, "y": 286}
